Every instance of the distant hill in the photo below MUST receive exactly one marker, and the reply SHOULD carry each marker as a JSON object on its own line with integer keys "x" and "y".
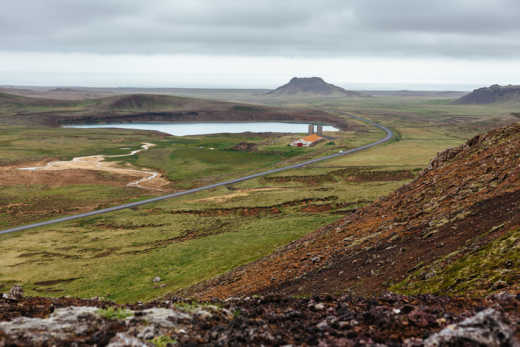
{"x": 10, "y": 101}
{"x": 311, "y": 86}
{"x": 427, "y": 93}
{"x": 490, "y": 95}
{"x": 22, "y": 110}
{"x": 145, "y": 102}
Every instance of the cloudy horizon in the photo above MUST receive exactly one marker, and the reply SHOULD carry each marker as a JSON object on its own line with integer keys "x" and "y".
{"x": 362, "y": 44}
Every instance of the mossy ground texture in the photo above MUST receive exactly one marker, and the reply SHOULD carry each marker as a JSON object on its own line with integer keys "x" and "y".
{"x": 492, "y": 268}
{"x": 196, "y": 238}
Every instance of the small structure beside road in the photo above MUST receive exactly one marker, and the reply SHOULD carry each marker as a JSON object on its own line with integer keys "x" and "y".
{"x": 307, "y": 141}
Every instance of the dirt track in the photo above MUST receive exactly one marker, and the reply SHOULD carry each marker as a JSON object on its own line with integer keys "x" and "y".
{"x": 147, "y": 179}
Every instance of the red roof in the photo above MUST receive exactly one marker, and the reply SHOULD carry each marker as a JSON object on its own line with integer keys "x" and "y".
{"x": 312, "y": 138}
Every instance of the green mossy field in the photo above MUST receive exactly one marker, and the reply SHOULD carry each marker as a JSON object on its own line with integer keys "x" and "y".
{"x": 184, "y": 241}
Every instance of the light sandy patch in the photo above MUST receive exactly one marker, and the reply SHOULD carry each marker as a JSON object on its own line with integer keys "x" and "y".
{"x": 147, "y": 179}
{"x": 239, "y": 193}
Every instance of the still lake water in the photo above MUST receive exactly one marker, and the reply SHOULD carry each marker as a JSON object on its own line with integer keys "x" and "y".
{"x": 184, "y": 129}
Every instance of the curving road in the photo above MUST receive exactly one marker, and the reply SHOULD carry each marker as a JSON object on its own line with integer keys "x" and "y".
{"x": 389, "y": 135}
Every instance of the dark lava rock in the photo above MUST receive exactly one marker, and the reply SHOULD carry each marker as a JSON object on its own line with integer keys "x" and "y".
{"x": 493, "y": 94}
{"x": 486, "y": 328}
{"x": 15, "y": 293}
{"x": 271, "y": 320}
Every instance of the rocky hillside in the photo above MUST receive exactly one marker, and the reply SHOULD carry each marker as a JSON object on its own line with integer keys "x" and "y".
{"x": 490, "y": 95}
{"x": 311, "y": 86}
{"x": 389, "y": 320}
{"x": 453, "y": 230}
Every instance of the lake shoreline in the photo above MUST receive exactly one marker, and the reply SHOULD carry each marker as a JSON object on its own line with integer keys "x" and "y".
{"x": 208, "y": 128}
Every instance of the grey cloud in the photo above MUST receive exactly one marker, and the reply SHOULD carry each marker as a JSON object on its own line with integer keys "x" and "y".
{"x": 457, "y": 16}
{"x": 461, "y": 28}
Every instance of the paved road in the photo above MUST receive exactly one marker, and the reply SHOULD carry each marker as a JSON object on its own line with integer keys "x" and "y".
{"x": 389, "y": 135}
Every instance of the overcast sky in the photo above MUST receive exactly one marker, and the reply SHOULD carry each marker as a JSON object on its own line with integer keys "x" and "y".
{"x": 454, "y": 44}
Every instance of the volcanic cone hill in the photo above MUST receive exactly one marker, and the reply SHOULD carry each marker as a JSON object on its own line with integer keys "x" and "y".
{"x": 454, "y": 230}
{"x": 492, "y": 94}
{"x": 311, "y": 86}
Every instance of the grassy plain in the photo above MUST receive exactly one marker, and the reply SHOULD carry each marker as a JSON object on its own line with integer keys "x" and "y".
{"x": 182, "y": 241}
{"x": 186, "y": 161}
{"x": 193, "y": 238}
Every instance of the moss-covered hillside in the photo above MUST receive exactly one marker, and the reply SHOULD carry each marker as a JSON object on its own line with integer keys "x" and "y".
{"x": 453, "y": 230}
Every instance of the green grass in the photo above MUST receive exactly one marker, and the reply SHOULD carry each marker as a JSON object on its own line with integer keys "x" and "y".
{"x": 415, "y": 148}
{"x": 22, "y": 144}
{"x": 185, "y": 161}
{"x": 21, "y": 204}
{"x": 117, "y": 263}
{"x": 497, "y": 262}
{"x": 163, "y": 341}
{"x": 117, "y": 255}
{"x": 114, "y": 313}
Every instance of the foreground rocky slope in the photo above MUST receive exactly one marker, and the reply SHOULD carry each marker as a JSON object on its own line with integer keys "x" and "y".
{"x": 325, "y": 321}
{"x": 453, "y": 230}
